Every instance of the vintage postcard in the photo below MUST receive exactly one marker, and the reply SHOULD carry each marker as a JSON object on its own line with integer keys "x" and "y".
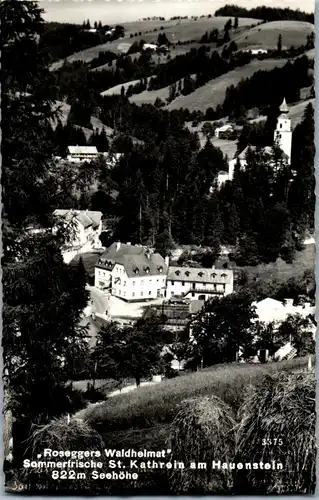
{"x": 158, "y": 235}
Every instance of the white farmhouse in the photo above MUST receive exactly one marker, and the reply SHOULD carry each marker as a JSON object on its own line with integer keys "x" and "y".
{"x": 198, "y": 283}
{"x": 78, "y": 154}
{"x": 256, "y": 52}
{"x": 131, "y": 272}
{"x": 224, "y": 128}
{"x": 150, "y": 46}
{"x": 85, "y": 230}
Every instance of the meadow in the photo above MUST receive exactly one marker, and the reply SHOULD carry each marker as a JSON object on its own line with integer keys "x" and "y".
{"x": 266, "y": 35}
{"x": 151, "y": 406}
{"x": 176, "y": 31}
{"x": 296, "y": 112}
{"x": 213, "y": 92}
{"x": 280, "y": 271}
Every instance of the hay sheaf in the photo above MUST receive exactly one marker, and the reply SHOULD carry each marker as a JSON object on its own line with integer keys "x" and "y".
{"x": 202, "y": 431}
{"x": 278, "y": 420}
{"x": 62, "y": 434}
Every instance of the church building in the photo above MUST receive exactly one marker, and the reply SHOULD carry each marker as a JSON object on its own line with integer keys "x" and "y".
{"x": 282, "y": 137}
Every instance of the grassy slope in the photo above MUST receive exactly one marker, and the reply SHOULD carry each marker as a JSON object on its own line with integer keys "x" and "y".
{"x": 186, "y": 29}
{"x": 280, "y": 270}
{"x": 158, "y": 58}
{"x": 151, "y": 406}
{"x": 95, "y": 122}
{"x": 213, "y": 93}
{"x": 266, "y": 35}
{"x": 295, "y": 112}
{"x": 117, "y": 89}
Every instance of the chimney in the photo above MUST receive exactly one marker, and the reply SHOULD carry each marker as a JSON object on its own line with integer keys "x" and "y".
{"x": 213, "y": 266}
{"x": 128, "y": 243}
{"x": 167, "y": 260}
{"x": 118, "y": 245}
{"x": 148, "y": 253}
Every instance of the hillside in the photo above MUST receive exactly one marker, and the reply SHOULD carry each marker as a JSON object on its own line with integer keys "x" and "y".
{"x": 158, "y": 58}
{"x": 266, "y": 35}
{"x": 213, "y": 93}
{"x": 176, "y": 31}
{"x": 117, "y": 89}
{"x": 296, "y": 112}
{"x": 95, "y": 122}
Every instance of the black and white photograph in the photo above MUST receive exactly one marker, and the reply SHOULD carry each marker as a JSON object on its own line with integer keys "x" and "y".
{"x": 159, "y": 248}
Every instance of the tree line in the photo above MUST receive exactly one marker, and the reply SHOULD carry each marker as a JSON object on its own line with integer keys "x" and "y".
{"x": 266, "y": 13}
{"x": 60, "y": 40}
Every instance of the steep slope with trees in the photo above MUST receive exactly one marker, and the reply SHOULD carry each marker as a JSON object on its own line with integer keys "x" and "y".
{"x": 42, "y": 297}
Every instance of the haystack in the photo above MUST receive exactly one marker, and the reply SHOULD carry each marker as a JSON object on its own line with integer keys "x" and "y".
{"x": 278, "y": 420}
{"x": 202, "y": 431}
{"x": 63, "y": 434}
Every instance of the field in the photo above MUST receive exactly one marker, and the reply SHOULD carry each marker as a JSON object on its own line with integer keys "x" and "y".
{"x": 295, "y": 112}
{"x": 280, "y": 271}
{"x": 184, "y": 30}
{"x": 266, "y": 35}
{"x": 155, "y": 405}
{"x": 228, "y": 148}
{"x": 213, "y": 93}
{"x": 158, "y": 58}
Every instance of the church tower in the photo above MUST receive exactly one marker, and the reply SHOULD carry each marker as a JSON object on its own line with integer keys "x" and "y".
{"x": 283, "y": 133}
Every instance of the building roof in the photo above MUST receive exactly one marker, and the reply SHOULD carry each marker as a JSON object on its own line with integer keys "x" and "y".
{"x": 200, "y": 275}
{"x": 224, "y": 128}
{"x": 85, "y": 150}
{"x": 137, "y": 260}
{"x": 269, "y": 310}
{"x": 86, "y": 218}
{"x": 284, "y": 108}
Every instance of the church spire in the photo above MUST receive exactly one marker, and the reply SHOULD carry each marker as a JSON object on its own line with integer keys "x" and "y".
{"x": 284, "y": 108}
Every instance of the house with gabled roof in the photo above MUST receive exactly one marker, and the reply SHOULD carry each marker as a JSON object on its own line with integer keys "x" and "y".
{"x": 198, "y": 283}
{"x": 78, "y": 154}
{"x": 131, "y": 272}
{"x": 85, "y": 230}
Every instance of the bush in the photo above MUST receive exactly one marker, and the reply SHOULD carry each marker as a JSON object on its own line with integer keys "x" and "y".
{"x": 281, "y": 407}
{"x": 202, "y": 430}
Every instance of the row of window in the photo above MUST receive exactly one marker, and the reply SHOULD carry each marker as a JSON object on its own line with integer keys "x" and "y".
{"x": 200, "y": 274}
{"x": 142, "y": 282}
{"x": 200, "y": 284}
{"x": 119, "y": 293}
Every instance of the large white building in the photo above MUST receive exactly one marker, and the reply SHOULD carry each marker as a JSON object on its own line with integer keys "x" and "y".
{"x": 282, "y": 138}
{"x": 85, "y": 229}
{"x": 78, "y": 154}
{"x": 198, "y": 283}
{"x": 131, "y": 272}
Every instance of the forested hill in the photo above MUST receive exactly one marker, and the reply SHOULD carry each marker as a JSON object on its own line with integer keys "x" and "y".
{"x": 266, "y": 13}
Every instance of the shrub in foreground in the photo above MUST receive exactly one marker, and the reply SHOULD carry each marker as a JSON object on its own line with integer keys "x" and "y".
{"x": 278, "y": 423}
